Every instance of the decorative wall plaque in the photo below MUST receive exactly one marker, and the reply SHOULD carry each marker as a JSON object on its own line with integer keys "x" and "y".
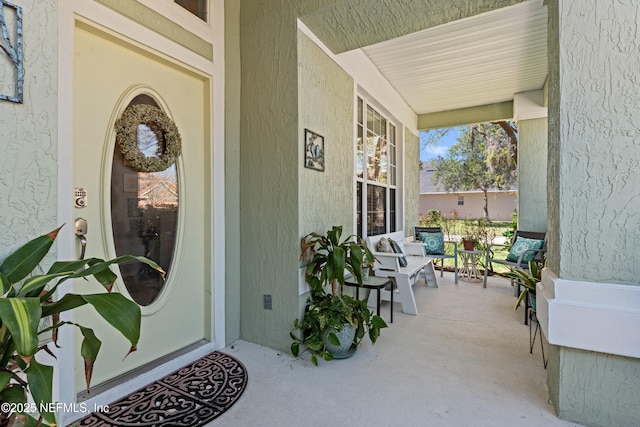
{"x": 11, "y": 66}
{"x": 314, "y": 150}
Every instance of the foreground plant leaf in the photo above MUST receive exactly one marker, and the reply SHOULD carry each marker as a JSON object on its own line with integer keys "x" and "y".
{"x": 89, "y": 351}
{"x": 22, "y": 262}
{"x": 40, "y": 378}
{"x": 21, "y": 317}
{"x": 122, "y": 313}
{"x": 23, "y": 306}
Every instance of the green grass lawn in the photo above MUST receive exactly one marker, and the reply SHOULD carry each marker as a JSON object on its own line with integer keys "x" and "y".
{"x": 457, "y": 227}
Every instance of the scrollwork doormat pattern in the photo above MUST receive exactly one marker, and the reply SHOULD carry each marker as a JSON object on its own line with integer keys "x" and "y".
{"x": 189, "y": 397}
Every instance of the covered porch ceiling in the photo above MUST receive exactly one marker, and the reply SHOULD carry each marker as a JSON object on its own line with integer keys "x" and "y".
{"x": 482, "y": 57}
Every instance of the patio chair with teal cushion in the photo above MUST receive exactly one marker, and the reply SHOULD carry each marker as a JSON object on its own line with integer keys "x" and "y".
{"x": 435, "y": 245}
{"x": 525, "y": 246}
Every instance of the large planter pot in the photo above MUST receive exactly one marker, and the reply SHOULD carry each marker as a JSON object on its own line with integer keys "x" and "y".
{"x": 345, "y": 336}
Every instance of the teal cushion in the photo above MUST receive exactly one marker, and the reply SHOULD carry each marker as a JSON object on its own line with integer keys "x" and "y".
{"x": 433, "y": 243}
{"x": 523, "y": 244}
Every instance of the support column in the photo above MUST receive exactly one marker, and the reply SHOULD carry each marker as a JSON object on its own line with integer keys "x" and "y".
{"x": 531, "y": 117}
{"x": 586, "y": 300}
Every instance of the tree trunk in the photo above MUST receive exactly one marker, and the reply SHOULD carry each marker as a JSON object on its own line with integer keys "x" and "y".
{"x": 486, "y": 205}
{"x": 513, "y": 140}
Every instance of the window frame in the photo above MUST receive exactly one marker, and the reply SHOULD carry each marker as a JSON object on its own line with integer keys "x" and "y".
{"x": 389, "y": 180}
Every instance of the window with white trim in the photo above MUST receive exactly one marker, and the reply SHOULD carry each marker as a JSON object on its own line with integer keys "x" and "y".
{"x": 376, "y": 168}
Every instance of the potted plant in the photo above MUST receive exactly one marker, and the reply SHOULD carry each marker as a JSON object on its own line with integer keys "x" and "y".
{"x": 528, "y": 280}
{"x": 27, "y": 300}
{"x": 330, "y": 315}
{"x": 469, "y": 235}
{"x": 477, "y": 234}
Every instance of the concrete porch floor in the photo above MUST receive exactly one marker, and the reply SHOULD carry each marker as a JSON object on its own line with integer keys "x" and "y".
{"x": 463, "y": 361}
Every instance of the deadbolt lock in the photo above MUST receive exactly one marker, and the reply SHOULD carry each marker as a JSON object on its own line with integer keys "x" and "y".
{"x": 80, "y": 197}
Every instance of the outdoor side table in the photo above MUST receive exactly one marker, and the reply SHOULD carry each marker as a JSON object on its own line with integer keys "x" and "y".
{"x": 377, "y": 283}
{"x": 469, "y": 261}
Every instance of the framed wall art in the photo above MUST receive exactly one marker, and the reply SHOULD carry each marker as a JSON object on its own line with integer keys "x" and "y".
{"x": 313, "y": 150}
{"x": 11, "y": 63}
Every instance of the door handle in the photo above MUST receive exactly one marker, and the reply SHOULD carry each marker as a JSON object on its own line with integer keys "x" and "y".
{"x": 80, "y": 229}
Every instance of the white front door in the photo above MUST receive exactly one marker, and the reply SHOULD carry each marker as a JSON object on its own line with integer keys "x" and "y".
{"x": 164, "y": 215}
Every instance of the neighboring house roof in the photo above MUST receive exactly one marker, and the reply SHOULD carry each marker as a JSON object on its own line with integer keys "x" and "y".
{"x": 161, "y": 193}
{"x": 427, "y": 186}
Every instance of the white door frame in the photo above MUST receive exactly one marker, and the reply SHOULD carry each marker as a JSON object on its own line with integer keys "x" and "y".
{"x": 69, "y": 11}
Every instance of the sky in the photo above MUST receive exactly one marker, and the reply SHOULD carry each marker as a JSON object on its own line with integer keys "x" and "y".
{"x": 441, "y": 149}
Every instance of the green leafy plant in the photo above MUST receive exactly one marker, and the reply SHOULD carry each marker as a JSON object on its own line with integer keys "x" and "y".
{"x": 470, "y": 233}
{"x": 434, "y": 218}
{"x": 513, "y": 226}
{"x": 526, "y": 278}
{"x": 479, "y": 231}
{"x": 26, "y": 299}
{"x": 328, "y": 259}
{"x": 328, "y": 313}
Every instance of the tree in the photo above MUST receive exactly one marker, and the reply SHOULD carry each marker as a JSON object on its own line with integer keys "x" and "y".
{"x": 482, "y": 158}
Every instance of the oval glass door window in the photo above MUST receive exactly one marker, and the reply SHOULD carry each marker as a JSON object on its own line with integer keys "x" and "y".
{"x": 144, "y": 213}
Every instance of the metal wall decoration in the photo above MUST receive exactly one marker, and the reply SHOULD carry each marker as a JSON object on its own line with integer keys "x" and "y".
{"x": 313, "y": 150}
{"x": 11, "y": 77}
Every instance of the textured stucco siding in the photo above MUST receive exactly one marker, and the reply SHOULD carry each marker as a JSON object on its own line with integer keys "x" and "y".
{"x": 598, "y": 389}
{"x": 594, "y": 190}
{"x": 411, "y": 183}
{"x": 326, "y": 99}
{"x": 29, "y": 134}
{"x": 269, "y": 145}
{"x": 599, "y": 130}
{"x": 553, "y": 144}
{"x": 277, "y": 205}
{"x": 532, "y": 174}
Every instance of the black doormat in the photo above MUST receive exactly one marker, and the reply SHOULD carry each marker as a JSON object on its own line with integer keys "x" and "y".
{"x": 190, "y": 397}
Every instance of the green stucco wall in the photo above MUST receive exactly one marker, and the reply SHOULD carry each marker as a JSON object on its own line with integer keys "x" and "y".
{"x": 594, "y": 191}
{"x": 29, "y": 133}
{"x": 411, "y": 181}
{"x": 232, "y": 170}
{"x": 594, "y": 116}
{"x": 269, "y": 154}
{"x": 532, "y": 174}
{"x": 325, "y": 100}
{"x": 596, "y": 389}
{"x": 553, "y": 143}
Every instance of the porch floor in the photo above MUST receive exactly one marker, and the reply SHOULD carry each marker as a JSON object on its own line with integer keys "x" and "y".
{"x": 464, "y": 361}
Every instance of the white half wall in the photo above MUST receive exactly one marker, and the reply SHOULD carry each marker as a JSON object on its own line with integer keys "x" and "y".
{"x": 590, "y": 316}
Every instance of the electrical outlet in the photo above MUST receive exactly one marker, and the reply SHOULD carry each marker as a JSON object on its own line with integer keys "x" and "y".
{"x": 267, "y": 302}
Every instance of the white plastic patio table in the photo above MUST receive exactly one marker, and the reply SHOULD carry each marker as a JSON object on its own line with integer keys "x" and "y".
{"x": 469, "y": 261}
